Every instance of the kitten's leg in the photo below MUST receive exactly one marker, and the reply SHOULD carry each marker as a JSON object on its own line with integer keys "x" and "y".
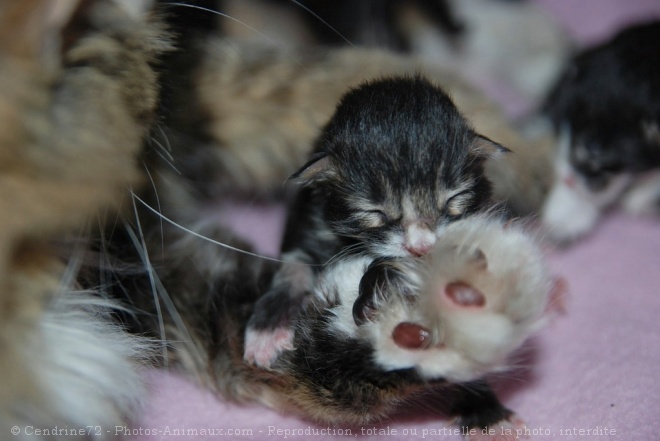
{"x": 478, "y": 408}
{"x": 270, "y": 328}
{"x": 305, "y": 244}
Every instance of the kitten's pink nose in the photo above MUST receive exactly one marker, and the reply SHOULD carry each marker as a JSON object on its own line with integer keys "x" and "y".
{"x": 419, "y": 239}
{"x": 419, "y": 250}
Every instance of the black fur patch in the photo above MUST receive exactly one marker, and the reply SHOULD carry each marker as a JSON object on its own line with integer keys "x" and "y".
{"x": 477, "y": 406}
{"x": 341, "y": 370}
{"x": 380, "y": 279}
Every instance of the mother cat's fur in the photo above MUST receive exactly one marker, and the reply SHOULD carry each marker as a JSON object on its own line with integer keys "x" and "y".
{"x": 73, "y": 116}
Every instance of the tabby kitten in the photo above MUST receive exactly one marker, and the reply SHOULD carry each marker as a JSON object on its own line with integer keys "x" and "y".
{"x": 394, "y": 166}
{"x": 247, "y": 115}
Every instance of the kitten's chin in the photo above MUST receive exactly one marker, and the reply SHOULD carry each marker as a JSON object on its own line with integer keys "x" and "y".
{"x": 568, "y": 214}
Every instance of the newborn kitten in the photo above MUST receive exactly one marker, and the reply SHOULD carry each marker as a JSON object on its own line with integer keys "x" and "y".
{"x": 608, "y": 105}
{"x": 512, "y": 43}
{"x": 394, "y": 166}
{"x": 373, "y": 333}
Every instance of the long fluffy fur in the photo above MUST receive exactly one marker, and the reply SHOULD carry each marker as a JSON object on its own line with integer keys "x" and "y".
{"x": 74, "y": 114}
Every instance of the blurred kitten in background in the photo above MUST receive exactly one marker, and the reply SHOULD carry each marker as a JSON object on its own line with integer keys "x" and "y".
{"x": 607, "y": 106}
{"x": 512, "y": 46}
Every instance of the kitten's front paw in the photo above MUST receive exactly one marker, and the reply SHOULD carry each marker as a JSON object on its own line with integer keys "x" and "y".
{"x": 270, "y": 329}
{"x": 263, "y": 347}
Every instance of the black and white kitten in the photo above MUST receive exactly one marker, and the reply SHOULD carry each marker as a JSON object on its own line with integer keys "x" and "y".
{"x": 394, "y": 166}
{"x": 608, "y": 106}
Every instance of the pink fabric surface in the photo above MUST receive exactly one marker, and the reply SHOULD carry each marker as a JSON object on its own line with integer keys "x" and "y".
{"x": 592, "y": 21}
{"x": 594, "y": 368}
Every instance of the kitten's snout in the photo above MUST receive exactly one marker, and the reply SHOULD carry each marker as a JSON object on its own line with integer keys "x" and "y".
{"x": 419, "y": 238}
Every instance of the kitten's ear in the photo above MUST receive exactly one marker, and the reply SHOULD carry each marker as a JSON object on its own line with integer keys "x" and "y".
{"x": 651, "y": 131}
{"x": 317, "y": 168}
{"x": 29, "y": 28}
{"x": 38, "y": 31}
{"x": 487, "y": 148}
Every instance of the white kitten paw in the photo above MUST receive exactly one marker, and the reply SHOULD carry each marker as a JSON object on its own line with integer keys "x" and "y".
{"x": 263, "y": 347}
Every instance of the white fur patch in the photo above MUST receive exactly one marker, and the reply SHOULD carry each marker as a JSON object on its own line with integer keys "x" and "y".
{"x": 643, "y": 196}
{"x": 568, "y": 213}
{"x": 343, "y": 279}
{"x": 135, "y": 8}
{"x": 88, "y": 368}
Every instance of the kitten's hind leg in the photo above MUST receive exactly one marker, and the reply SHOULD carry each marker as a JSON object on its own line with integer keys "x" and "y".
{"x": 478, "y": 408}
{"x": 270, "y": 330}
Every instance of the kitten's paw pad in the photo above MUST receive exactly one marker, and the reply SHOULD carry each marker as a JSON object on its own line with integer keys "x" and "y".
{"x": 462, "y": 295}
{"x": 509, "y": 429}
{"x": 409, "y": 335}
{"x": 263, "y": 347}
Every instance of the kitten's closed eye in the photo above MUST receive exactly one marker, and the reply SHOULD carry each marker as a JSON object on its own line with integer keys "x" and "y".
{"x": 375, "y": 218}
{"x": 458, "y": 204}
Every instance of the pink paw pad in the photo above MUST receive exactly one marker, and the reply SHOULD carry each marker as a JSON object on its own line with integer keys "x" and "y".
{"x": 263, "y": 347}
{"x": 463, "y": 295}
{"x": 411, "y": 336}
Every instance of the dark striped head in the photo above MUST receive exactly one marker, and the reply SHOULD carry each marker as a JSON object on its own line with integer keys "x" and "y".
{"x": 397, "y": 163}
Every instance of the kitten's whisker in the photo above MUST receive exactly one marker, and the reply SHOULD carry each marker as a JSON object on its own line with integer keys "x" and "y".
{"x": 208, "y": 239}
{"x": 103, "y": 253}
{"x": 222, "y": 14}
{"x": 343, "y": 252}
{"x": 74, "y": 263}
{"x": 162, "y": 232}
{"x": 165, "y": 138}
{"x": 162, "y": 147}
{"x": 160, "y": 292}
{"x": 164, "y": 153}
{"x": 325, "y": 23}
{"x": 141, "y": 248}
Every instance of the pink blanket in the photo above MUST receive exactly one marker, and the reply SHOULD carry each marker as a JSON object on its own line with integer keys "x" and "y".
{"x": 590, "y": 375}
